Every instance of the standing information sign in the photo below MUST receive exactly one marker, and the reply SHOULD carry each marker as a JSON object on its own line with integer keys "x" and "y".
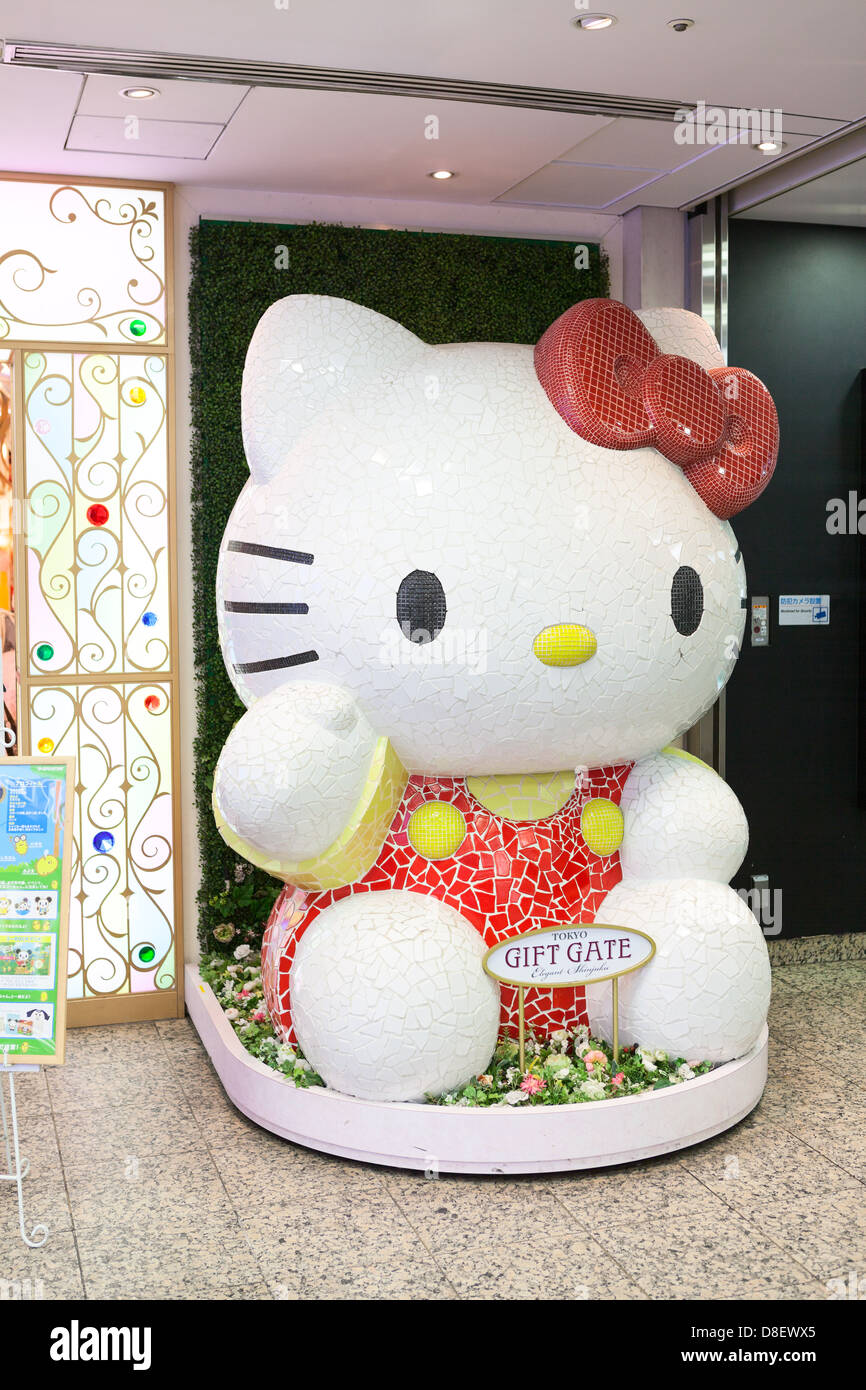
{"x": 35, "y": 863}
{"x": 581, "y": 953}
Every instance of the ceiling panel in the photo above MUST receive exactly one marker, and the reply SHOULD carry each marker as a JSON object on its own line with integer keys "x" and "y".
{"x": 342, "y": 143}
{"x": 709, "y": 170}
{"x": 629, "y": 144}
{"x": 169, "y": 139}
{"x": 575, "y": 185}
{"x": 176, "y": 101}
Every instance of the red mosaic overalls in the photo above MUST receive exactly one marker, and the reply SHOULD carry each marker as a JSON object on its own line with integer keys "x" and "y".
{"x": 506, "y": 877}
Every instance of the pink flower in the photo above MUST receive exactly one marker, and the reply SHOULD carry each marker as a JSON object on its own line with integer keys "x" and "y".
{"x": 618, "y": 1079}
{"x": 259, "y": 1016}
{"x": 531, "y": 1084}
{"x": 591, "y": 1057}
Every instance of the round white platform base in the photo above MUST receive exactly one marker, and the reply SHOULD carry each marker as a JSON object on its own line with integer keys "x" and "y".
{"x": 546, "y": 1139}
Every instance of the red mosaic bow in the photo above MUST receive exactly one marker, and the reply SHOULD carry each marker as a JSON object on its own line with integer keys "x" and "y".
{"x": 604, "y": 374}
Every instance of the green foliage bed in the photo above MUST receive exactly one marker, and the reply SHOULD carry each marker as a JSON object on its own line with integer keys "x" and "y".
{"x": 568, "y": 1068}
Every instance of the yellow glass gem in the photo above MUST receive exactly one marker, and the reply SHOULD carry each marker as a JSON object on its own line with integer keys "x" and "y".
{"x": 601, "y": 825}
{"x": 436, "y": 830}
{"x": 137, "y": 395}
{"x": 46, "y": 745}
{"x": 565, "y": 644}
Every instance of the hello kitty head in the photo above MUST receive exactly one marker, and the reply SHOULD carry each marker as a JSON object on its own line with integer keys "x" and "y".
{"x": 516, "y": 561}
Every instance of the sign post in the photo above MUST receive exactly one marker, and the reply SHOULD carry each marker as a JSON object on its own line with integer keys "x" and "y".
{"x": 580, "y": 953}
{"x": 35, "y": 865}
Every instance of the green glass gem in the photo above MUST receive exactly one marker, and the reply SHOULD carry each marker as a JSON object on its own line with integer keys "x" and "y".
{"x": 147, "y": 954}
{"x": 44, "y": 651}
{"x": 137, "y": 327}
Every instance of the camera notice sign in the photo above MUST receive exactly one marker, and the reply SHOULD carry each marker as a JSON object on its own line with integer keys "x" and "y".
{"x": 804, "y": 610}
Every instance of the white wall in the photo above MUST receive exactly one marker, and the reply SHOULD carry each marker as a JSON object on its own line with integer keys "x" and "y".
{"x": 193, "y": 203}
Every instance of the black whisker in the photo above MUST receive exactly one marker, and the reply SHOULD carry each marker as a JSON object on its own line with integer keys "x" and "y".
{"x": 232, "y": 607}
{"x": 272, "y": 552}
{"x": 276, "y": 663}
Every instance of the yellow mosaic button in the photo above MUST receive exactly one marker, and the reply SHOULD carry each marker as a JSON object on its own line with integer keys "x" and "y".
{"x": 436, "y": 829}
{"x": 601, "y": 825}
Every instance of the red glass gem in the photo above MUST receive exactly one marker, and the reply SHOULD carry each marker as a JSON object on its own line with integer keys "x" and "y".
{"x": 97, "y": 515}
{"x": 151, "y": 703}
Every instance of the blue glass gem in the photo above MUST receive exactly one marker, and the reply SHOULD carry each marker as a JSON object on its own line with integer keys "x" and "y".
{"x": 149, "y": 619}
{"x": 103, "y": 841}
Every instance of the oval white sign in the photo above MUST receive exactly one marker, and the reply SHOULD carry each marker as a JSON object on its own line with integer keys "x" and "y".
{"x": 577, "y": 954}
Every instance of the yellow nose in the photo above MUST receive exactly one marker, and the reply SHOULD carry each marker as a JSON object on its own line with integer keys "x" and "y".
{"x": 565, "y": 644}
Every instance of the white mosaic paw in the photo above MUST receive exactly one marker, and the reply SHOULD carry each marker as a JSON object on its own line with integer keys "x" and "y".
{"x": 292, "y": 771}
{"x": 680, "y": 820}
{"x": 704, "y": 995}
{"x": 389, "y": 997}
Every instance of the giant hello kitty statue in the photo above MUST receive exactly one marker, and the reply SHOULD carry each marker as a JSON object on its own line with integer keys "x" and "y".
{"x": 470, "y": 595}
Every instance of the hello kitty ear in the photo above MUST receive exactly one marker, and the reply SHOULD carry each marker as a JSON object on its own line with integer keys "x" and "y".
{"x": 683, "y": 334}
{"x": 307, "y": 352}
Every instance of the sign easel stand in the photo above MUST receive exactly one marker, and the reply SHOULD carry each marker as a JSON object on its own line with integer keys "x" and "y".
{"x": 21, "y": 1168}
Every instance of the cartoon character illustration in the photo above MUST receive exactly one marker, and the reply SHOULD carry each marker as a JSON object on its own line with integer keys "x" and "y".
{"x": 22, "y": 906}
{"x": 470, "y": 596}
{"x": 5, "y": 904}
{"x": 23, "y": 960}
{"x": 42, "y": 905}
{"x": 21, "y": 845}
{"x": 46, "y": 864}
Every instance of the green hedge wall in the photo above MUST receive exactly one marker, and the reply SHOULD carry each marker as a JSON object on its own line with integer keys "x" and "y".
{"x": 445, "y": 288}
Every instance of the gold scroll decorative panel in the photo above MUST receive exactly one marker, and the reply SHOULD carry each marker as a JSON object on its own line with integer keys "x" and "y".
{"x": 95, "y": 649}
{"x": 96, "y": 504}
{"x": 121, "y": 929}
{"x": 82, "y": 263}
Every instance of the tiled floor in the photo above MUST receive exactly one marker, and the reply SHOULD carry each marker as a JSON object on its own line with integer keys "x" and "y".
{"x": 154, "y": 1186}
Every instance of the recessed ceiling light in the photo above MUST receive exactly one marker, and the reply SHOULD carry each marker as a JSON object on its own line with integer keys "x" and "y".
{"x": 770, "y": 146}
{"x": 138, "y": 93}
{"x": 679, "y": 26}
{"x": 442, "y": 174}
{"x": 594, "y": 21}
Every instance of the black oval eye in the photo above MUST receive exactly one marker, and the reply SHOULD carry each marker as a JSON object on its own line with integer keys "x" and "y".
{"x": 421, "y": 606}
{"x": 687, "y": 600}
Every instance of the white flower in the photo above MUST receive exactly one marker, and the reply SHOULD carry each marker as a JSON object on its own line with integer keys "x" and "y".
{"x": 241, "y": 952}
{"x": 661, "y": 1056}
{"x": 516, "y": 1097}
{"x": 302, "y": 1065}
{"x": 647, "y": 1059}
{"x": 511, "y": 1074}
{"x": 560, "y": 1037}
{"x": 232, "y": 1014}
{"x": 593, "y": 1089}
{"x": 685, "y": 1072}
